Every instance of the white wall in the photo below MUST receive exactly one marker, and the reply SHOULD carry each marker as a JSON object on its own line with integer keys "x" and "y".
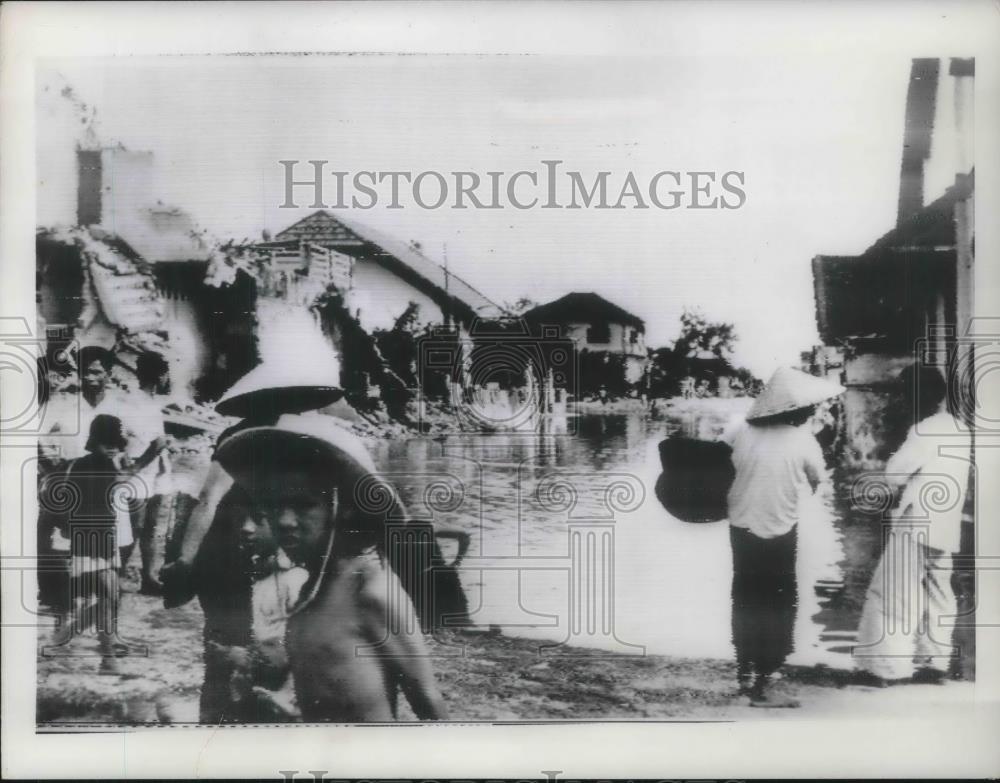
{"x": 617, "y": 341}
{"x": 128, "y": 183}
{"x": 952, "y": 140}
{"x": 189, "y": 354}
{"x": 290, "y": 332}
{"x": 382, "y": 297}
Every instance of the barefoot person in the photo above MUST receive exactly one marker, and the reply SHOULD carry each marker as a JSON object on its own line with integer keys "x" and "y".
{"x": 97, "y": 528}
{"x": 900, "y": 635}
{"x": 353, "y": 638}
{"x": 777, "y": 460}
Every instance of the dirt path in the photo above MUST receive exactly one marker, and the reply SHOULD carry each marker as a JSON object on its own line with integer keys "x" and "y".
{"x": 498, "y": 678}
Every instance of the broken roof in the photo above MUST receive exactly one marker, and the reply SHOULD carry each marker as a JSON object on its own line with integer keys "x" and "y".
{"x": 933, "y": 225}
{"x": 884, "y": 293}
{"x": 164, "y": 234}
{"x": 399, "y": 257}
{"x": 583, "y": 308}
{"x": 125, "y": 290}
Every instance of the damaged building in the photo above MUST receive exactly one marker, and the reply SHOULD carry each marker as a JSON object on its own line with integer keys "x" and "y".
{"x": 136, "y": 275}
{"x": 131, "y": 275}
{"x": 387, "y": 275}
{"x": 910, "y": 294}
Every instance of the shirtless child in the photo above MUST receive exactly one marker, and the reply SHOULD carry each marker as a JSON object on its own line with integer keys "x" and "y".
{"x": 353, "y": 638}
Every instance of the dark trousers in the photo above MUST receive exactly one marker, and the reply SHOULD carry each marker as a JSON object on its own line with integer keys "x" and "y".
{"x": 765, "y": 597}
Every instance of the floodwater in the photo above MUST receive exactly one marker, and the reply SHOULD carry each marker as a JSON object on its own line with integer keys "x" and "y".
{"x": 570, "y": 545}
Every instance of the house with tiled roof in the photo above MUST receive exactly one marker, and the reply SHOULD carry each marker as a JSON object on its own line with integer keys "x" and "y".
{"x": 596, "y": 325}
{"x": 387, "y": 274}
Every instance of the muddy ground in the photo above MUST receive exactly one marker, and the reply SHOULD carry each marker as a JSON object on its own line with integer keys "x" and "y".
{"x": 483, "y": 676}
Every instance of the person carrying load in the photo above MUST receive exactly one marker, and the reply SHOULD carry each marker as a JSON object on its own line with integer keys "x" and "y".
{"x": 776, "y": 460}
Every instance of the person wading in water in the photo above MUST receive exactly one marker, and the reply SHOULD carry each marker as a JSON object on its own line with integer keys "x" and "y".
{"x": 776, "y": 460}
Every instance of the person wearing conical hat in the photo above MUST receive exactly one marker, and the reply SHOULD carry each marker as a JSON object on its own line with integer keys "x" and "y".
{"x": 352, "y": 638}
{"x": 262, "y": 395}
{"x": 777, "y": 460}
{"x": 207, "y": 558}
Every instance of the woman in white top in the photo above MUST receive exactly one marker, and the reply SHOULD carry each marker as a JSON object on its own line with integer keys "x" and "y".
{"x": 901, "y": 634}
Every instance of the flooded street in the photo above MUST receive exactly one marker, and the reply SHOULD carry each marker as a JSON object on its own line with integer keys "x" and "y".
{"x": 569, "y": 548}
{"x": 569, "y": 543}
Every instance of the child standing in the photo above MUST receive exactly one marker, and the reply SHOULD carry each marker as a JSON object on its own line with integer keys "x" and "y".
{"x": 354, "y": 639}
{"x": 260, "y": 683}
{"x": 97, "y": 528}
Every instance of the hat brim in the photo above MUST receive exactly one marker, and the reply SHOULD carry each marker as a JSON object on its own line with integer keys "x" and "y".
{"x": 314, "y": 444}
{"x": 288, "y": 399}
{"x": 791, "y": 390}
{"x": 772, "y": 412}
{"x": 252, "y": 453}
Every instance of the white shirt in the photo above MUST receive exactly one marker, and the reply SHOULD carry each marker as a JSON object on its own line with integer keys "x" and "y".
{"x": 932, "y": 466}
{"x": 274, "y": 597}
{"x": 774, "y": 464}
{"x": 67, "y": 429}
{"x": 68, "y": 418}
{"x": 145, "y": 414}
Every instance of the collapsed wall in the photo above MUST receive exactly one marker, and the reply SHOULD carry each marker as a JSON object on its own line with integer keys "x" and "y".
{"x": 92, "y": 290}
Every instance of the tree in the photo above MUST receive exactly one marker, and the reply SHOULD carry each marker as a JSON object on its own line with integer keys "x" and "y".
{"x": 362, "y": 362}
{"x": 699, "y": 334}
{"x": 398, "y": 345}
{"x": 703, "y": 350}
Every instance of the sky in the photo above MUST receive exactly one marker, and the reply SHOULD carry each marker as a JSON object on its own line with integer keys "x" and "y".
{"x": 818, "y": 138}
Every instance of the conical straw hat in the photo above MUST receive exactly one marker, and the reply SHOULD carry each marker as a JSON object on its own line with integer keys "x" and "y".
{"x": 313, "y": 439}
{"x": 789, "y": 390}
{"x": 284, "y": 386}
{"x": 316, "y": 443}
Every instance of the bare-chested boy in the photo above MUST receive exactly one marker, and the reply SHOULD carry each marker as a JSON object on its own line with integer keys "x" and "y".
{"x": 353, "y": 638}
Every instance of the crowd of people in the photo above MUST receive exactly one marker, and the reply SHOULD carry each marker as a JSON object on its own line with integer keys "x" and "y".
{"x": 314, "y": 611}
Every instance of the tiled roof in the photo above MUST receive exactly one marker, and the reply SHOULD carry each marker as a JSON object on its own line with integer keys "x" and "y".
{"x": 347, "y": 236}
{"x": 583, "y": 308}
{"x": 323, "y": 229}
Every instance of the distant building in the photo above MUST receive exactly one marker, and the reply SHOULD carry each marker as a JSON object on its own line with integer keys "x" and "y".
{"x": 824, "y": 361}
{"x": 912, "y": 289}
{"x": 387, "y": 274}
{"x": 711, "y": 370}
{"x": 597, "y": 326}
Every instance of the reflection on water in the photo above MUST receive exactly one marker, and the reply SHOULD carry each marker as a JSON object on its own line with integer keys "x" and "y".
{"x": 570, "y": 544}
